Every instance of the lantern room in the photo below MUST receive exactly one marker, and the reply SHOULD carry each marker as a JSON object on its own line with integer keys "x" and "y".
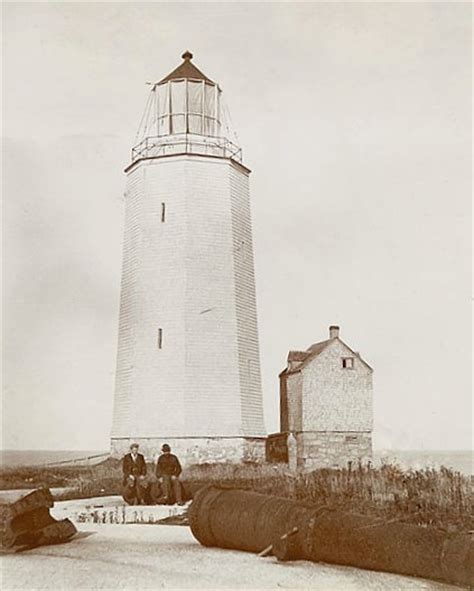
{"x": 185, "y": 114}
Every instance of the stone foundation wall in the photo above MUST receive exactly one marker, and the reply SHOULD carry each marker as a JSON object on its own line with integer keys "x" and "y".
{"x": 196, "y": 450}
{"x": 330, "y": 449}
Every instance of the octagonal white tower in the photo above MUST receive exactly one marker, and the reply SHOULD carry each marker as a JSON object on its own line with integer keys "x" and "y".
{"x": 188, "y": 368}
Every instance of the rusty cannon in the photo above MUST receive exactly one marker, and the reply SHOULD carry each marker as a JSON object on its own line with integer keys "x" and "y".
{"x": 253, "y": 522}
{"x": 25, "y": 521}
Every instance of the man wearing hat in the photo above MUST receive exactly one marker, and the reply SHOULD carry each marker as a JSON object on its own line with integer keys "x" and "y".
{"x": 134, "y": 472}
{"x": 168, "y": 470}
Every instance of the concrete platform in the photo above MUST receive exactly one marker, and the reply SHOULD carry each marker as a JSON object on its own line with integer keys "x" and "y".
{"x": 151, "y": 557}
{"x": 114, "y": 510}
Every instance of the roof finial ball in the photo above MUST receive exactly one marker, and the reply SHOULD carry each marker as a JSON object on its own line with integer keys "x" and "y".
{"x": 187, "y": 55}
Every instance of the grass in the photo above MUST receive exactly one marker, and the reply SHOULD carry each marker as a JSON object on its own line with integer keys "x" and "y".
{"x": 440, "y": 498}
{"x": 79, "y": 481}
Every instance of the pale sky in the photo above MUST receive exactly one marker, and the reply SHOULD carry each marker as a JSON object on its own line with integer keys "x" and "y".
{"x": 356, "y": 122}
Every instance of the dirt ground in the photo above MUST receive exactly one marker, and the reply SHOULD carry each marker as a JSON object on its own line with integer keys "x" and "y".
{"x": 168, "y": 557}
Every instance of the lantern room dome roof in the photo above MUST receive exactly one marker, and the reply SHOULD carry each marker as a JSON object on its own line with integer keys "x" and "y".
{"x": 186, "y": 70}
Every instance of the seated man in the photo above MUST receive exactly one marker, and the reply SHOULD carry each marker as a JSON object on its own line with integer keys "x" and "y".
{"x": 134, "y": 473}
{"x": 168, "y": 470}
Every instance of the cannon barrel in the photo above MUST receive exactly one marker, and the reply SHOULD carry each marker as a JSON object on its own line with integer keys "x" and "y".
{"x": 242, "y": 520}
{"x": 249, "y": 521}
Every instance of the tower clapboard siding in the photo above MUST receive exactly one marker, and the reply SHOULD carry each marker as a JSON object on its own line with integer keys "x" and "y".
{"x": 188, "y": 367}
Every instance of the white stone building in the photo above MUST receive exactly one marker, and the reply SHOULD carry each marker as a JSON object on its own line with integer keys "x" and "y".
{"x": 326, "y": 404}
{"x": 188, "y": 367}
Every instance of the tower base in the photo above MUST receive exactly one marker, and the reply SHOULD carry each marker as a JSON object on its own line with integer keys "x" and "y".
{"x": 196, "y": 450}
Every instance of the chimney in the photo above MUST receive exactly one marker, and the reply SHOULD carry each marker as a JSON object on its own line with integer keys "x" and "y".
{"x": 333, "y": 332}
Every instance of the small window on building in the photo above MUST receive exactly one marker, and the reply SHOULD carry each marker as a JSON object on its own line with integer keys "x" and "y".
{"x": 348, "y": 362}
{"x": 160, "y": 338}
{"x": 163, "y": 212}
{"x": 350, "y": 438}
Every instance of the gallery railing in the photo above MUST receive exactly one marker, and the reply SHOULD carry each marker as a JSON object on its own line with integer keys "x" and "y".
{"x": 188, "y": 144}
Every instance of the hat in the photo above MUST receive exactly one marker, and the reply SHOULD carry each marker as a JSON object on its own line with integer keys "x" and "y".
{"x": 165, "y": 447}
{"x": 134, "y": 445}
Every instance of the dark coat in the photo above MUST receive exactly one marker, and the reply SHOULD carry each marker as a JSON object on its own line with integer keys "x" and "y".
{"x": 133, "y": 468}
{"x": 168, "y": 465}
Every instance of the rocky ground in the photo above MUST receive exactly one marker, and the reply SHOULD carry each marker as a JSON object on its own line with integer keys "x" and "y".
{"x": 108, "y": 556}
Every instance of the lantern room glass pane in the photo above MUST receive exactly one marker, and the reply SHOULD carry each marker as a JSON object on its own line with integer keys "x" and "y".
{"x": 163, "y": 99}
{"x": 195, "y": 124}
{"x": 178, "y": 97}
{"x": 194, "y": 97}
{"x": 210, "y": 100}
{"x": 209, "y": 126}
{"x": 178, "y": 123}
{"x": 163, "y": 126}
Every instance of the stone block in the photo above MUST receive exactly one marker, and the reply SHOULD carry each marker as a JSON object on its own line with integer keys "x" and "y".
{"x": 197, "y": 450}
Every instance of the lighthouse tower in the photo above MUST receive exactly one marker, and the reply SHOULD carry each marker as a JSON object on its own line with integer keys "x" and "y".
{"x": 188, "y": 368}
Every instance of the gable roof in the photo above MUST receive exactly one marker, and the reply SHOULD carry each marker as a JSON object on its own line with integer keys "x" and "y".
{"x": 297, "y": 355}
{"x": 304, "y": 357}
{"x": 317, "y": 348}
{"x": 186, "y": 70}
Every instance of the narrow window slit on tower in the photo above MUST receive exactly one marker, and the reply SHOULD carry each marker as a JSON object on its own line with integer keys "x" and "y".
{"x": 163, "y": 212}
{"x": 348, "y": 362}
{"x": 160, "y": 338}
